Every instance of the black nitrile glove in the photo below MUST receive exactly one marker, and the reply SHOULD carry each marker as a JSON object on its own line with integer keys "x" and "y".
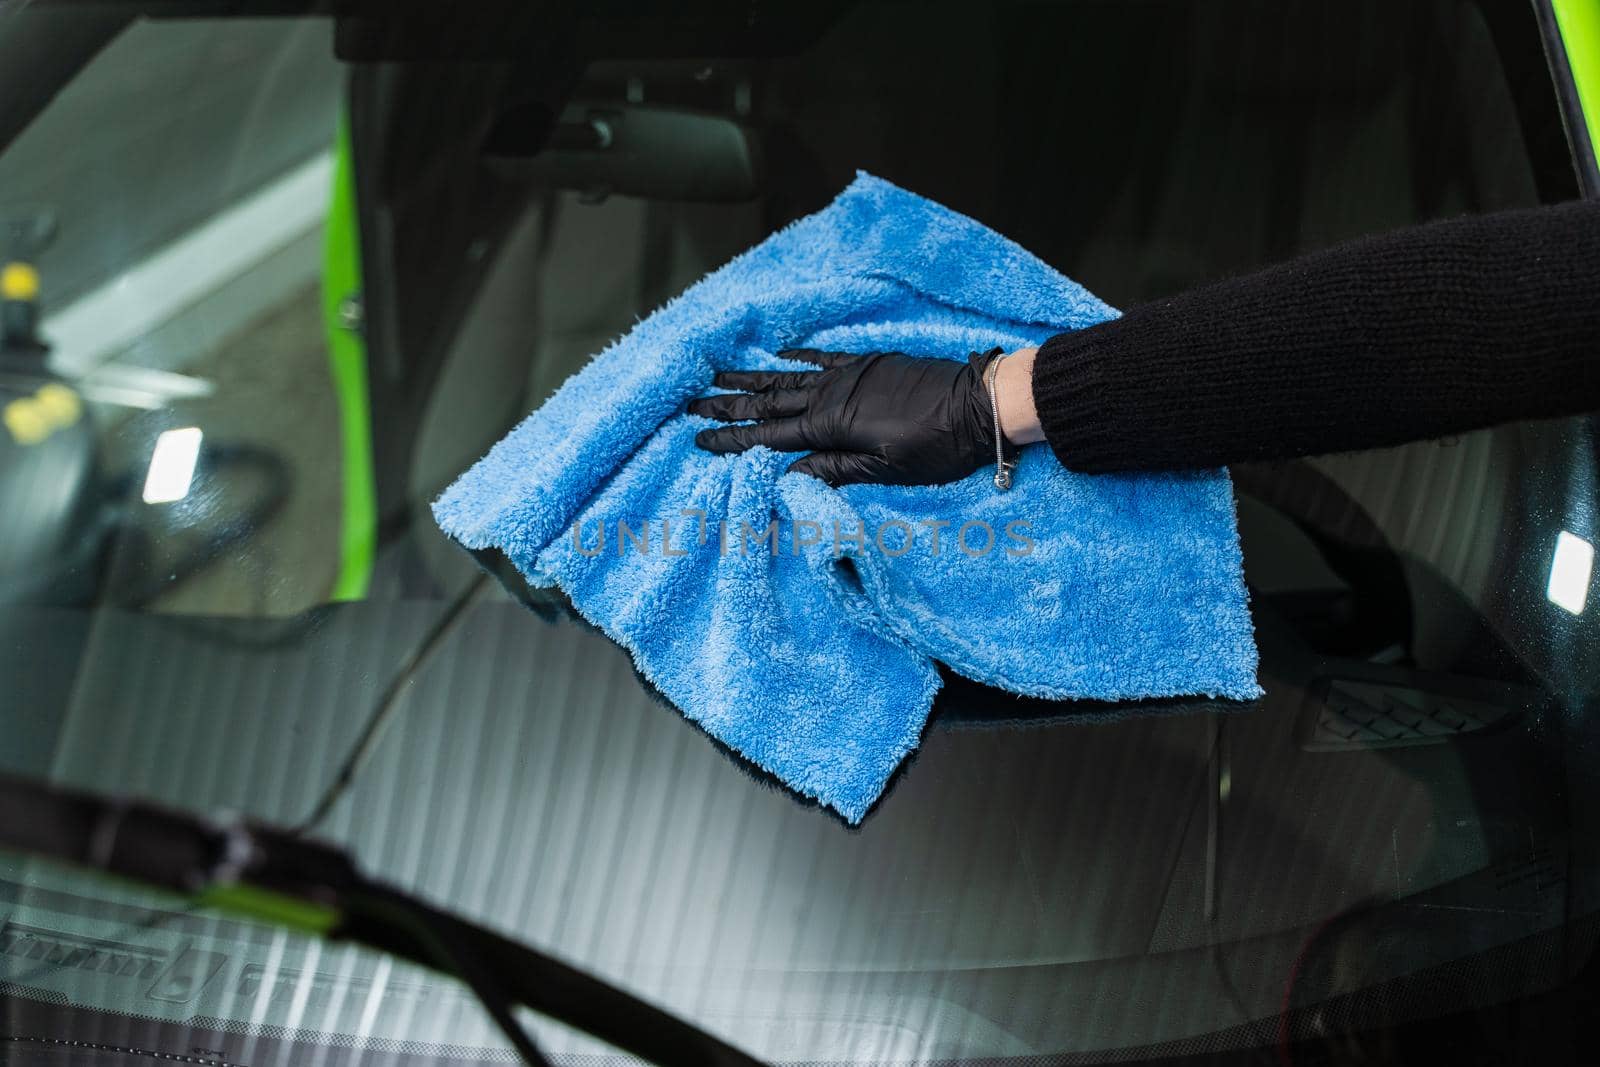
{"x": 885, "y": 417}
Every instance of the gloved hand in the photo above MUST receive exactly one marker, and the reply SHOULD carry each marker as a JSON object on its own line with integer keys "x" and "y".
{"x": 885, "y": 417}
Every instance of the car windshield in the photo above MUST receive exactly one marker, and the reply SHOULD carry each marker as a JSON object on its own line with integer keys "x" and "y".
{"x": 300, "y": 274}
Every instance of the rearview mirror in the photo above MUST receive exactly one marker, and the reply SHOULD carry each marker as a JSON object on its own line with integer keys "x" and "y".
{"x": 650, "y": 152}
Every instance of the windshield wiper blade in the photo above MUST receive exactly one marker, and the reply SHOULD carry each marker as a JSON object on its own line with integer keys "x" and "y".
{"x": 315, "y": 887}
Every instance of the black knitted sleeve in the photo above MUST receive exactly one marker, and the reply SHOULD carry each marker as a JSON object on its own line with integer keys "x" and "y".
{"x": 1419, "y": 333}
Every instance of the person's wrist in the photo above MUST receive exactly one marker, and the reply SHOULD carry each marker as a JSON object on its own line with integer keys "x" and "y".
{"x": 1019, "y": 419}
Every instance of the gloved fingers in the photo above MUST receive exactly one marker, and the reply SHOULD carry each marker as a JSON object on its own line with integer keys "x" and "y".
{"x": 825, "y": 360}
{"x": 737, "y": 407}
{"x": 761, "y": 381}
{"x": 784, "y": 435}
{"x": 843, "y": 468}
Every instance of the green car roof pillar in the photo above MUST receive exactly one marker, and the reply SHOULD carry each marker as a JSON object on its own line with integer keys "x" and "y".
{"x": 1579, "y": 23}
{"x": 347, "y": 362}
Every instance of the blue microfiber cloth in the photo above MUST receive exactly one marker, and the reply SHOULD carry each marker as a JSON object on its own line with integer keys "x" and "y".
{"x": 812, "y": 653}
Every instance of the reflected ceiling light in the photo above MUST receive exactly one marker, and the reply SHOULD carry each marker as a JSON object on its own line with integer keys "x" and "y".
{"x": 172, "y": 465}
{"x": 1570, "y": 571}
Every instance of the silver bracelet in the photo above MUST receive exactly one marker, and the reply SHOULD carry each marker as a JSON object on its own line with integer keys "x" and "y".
{"x": 1002, "y": 466}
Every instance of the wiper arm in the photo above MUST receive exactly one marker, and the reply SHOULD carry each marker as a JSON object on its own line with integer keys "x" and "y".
{"x": 276, "y": 875}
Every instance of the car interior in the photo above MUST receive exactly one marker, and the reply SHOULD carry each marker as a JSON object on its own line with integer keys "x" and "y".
{"x": 1396, "y": 833}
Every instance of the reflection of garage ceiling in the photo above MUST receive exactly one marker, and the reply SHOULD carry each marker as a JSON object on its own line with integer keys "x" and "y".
{"x": 530, "y": 782}
{"x": 186, "y": 154}
{"x": 166, "y": 309}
